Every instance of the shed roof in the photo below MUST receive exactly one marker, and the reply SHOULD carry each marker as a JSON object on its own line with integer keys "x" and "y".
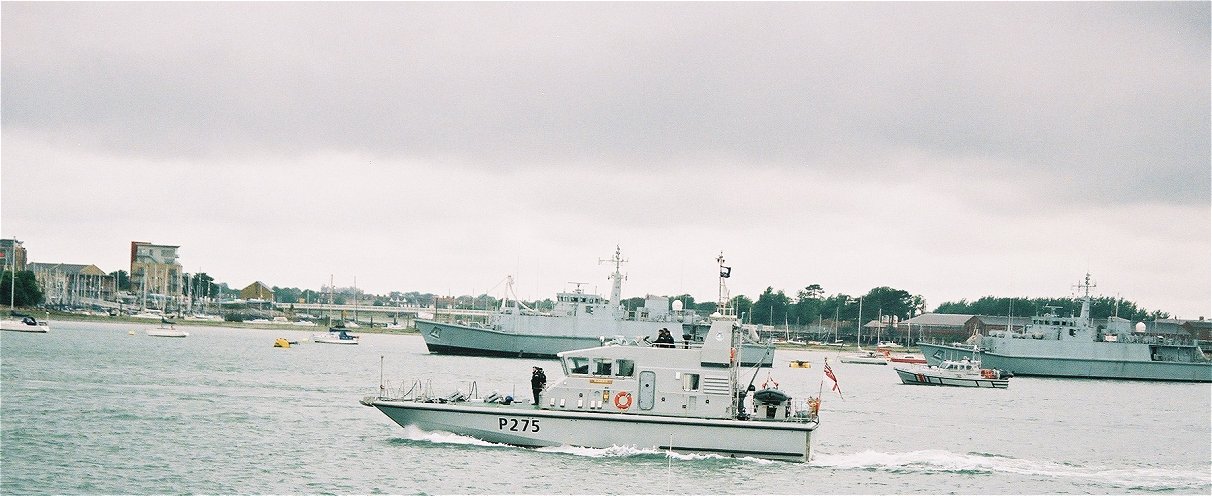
{"x": 939, "y": 319}
{"x": 69, "y": 269}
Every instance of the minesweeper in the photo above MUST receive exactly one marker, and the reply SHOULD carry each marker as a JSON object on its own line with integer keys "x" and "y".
{"x": 578, "y": 320}
{"x": 687, "y": 400}
{"x": 1076, "y": 347}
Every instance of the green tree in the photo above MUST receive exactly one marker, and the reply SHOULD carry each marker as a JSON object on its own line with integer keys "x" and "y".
{"x": 123, "y": 279}
{"x": 1100, "y": 307}
{"x": 809, "y": 304}
{"x": 743, "y": 306}
{"x": 771, "y": 307}
{"x": 203, "y": 285}
{"x": 287, "y": 295}
{"x": 887, "y": 301}
{"x": 25, "y": 293}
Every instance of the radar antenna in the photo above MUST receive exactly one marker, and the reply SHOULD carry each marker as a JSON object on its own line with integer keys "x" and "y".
{"x": 1085, "y": 286}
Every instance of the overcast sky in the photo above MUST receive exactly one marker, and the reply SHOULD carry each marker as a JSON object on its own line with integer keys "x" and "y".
{"x": 953, "y": 150}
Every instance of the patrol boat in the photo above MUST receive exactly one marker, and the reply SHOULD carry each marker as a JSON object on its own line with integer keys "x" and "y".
{"x": 579, "y": 320}
{"x": 688, "y": 400}
{"x": 1075, "y": 347}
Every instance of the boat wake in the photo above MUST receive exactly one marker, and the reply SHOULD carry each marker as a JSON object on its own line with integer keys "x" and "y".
{"x": 635, "y": 452}
{"x": 941, "y": 461}
{"x": 414, "y": 434}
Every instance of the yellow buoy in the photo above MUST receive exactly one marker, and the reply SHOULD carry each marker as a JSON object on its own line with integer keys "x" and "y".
{"x": 281, "y": 343}
{"x": 801, "y": 364}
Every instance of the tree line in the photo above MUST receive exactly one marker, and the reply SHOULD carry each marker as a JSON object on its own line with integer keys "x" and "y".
{"x": 1101, "y": 307}
{"x": 806, "y": 306}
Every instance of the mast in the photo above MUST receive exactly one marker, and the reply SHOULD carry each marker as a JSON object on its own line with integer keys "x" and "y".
{"x": 12, "y": 285}
{"x": 1085, "y": 286}
{"x": 724, "y": 312}
{"x": 722, "y": 300}
{"x": 616, "y": 285}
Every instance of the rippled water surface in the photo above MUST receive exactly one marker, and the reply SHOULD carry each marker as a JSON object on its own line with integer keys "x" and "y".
{"x": 89, "y": 408}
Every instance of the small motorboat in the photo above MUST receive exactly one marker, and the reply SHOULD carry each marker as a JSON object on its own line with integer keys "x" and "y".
{"x": 962, "y": 373}
{"x": 335, "y": 335}
{"x": 167, "y": 330}
{"x": 866, "y": 357}
{"x": 906, "y": 358}
{"x": 23, "y": 323}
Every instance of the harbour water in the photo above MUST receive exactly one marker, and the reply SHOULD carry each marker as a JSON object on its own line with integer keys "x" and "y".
{"x": 90, "y": 409}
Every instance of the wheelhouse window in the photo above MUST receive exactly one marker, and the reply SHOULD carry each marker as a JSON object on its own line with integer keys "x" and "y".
{"x": 626, "y": 368}
{"x": 577, "y": 365}
{"x": 601, "y": 366}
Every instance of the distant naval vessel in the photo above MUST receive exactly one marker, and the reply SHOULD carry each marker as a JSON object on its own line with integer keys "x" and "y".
{"x": 579, "y": 320}
{"x": 1075, "y": 347}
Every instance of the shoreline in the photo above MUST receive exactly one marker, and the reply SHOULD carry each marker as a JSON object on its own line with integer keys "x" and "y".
{"x": 70, "y": 317}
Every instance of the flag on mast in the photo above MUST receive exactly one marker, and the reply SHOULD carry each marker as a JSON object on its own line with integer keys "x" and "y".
{"x": 829, "y": 374}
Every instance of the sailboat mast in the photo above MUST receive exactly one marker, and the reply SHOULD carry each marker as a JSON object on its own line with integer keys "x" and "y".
{"x": 12, "y": 286}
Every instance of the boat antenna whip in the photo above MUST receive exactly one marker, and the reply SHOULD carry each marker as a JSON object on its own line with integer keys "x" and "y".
{"x": 757, "y": 368}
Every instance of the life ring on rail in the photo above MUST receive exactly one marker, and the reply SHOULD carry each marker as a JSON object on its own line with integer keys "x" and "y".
{"x": 732, "y": 355}
{"x": 622, "y": 400}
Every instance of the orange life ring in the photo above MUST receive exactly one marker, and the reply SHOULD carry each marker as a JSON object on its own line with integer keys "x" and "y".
{"x": 622, "y": 400}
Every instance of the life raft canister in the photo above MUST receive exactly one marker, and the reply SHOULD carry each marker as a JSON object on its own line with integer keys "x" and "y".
{"x": 622, "y": 400}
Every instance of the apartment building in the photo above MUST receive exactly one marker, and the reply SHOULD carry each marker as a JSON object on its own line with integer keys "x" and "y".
{"x": 154, "y": 269}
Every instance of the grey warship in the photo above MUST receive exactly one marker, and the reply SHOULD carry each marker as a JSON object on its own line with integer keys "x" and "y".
{"x": 1055, "y": 346}
{"x": 688, "y": 400}
{"x": 579, "y": 320}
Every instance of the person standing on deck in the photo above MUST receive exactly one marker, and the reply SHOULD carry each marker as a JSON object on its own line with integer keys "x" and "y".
{"x": 538, "y": 381}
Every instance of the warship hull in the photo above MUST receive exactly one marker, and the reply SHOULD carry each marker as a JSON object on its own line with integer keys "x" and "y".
{"x": 544, "y": 339}
{"x": 527, "y": 426}
{"x": 1087, "y": 360}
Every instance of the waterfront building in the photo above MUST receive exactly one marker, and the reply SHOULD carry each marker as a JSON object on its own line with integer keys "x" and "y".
{"x": 14, "y": 254}
{"x": 154, "y": 269}
{"x": 945, "y": 326}
{"x": 257, "y": 291}
{"x": 72, "y": 284}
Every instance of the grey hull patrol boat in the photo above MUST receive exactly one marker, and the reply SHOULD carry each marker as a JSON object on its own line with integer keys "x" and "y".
{"x": 1075, "y": 347}
{"x": 579, "y": 320}
{"x": 687, "y": 400}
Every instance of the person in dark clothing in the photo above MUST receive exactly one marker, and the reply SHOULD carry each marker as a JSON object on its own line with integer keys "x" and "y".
{"x": 538, "y": 381}
{"x": 664, "y": 339}
{"x": 686, "y": 340}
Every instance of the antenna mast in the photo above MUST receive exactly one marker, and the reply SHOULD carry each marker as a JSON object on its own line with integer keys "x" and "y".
{"x": 616, "y": 287}
{"x": 722, "y": 303}
{"x": 1085, "y": 286}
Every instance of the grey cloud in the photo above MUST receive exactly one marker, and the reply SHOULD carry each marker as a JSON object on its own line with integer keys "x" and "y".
{"x": 1113, "y": 96}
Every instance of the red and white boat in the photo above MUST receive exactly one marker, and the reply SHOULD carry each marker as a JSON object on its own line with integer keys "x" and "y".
{"x": 904, "y": 358}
